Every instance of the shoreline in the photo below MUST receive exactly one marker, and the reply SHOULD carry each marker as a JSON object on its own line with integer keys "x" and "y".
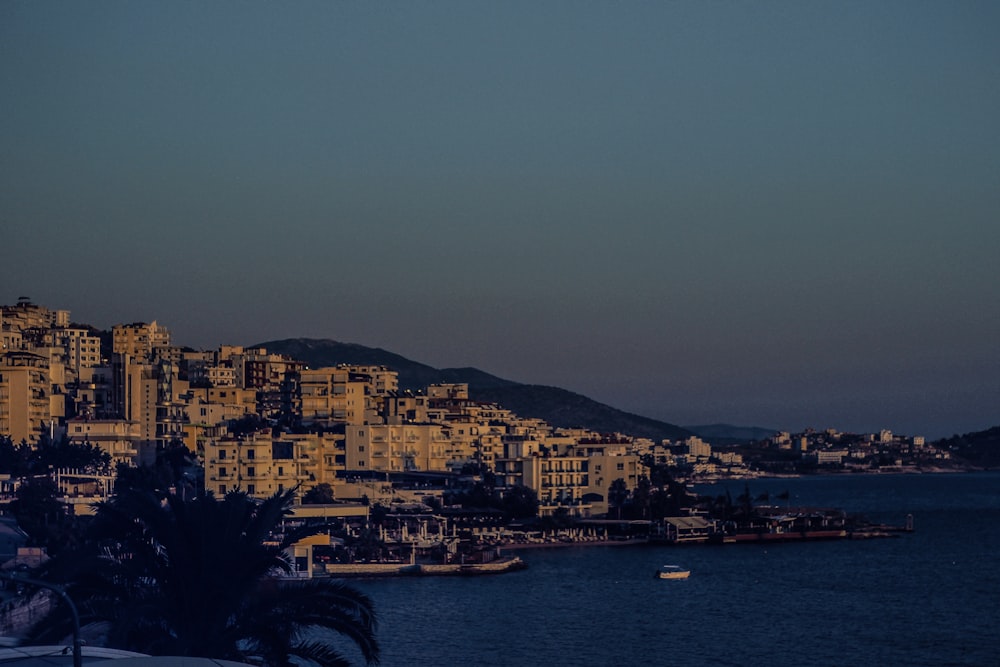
{"x": 560, "y": 544}
{"x": 358, "y": 570}
{"x": 822, "y": 472}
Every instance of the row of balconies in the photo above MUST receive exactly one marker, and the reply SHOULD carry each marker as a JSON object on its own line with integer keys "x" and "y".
{"x": 269, "y": 475}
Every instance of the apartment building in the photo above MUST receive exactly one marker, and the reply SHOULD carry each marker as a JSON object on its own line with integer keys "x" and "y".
{"x": 558, "y": 480}
{"x": 27, "y": 405}
{"x": 383, "y": 381}
{"x": 399, "y": 448}
{"x": 83, "y": 349}
{"x": 119, "y": 438}
{"x": 256, "y": 368}
{"x": 404, "y": 408}
{"x": 27, "y": 315}
{"x": 94, "y": 393}
{"x": 140, "y": 340}
{"x": 605, "y": 469}
{"x": 334, "y": 396}
{"x": 262, "y": 464}
{"x": 570, "y": 468}
{"x": 214, "y": 405}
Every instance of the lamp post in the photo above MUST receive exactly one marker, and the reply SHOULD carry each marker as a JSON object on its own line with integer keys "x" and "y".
{"x": 58, "y": 590}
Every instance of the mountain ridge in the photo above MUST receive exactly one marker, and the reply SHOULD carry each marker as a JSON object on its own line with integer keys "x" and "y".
{"x": 730, "y": 433}
{"x": 556, "y": 406}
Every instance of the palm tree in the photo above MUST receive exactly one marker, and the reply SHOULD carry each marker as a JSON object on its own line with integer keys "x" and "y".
{"x": 201, "y": 577}
{"x": 618, "y": 494}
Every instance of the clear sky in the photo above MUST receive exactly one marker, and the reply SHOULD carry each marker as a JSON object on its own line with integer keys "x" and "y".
{"x": 783, "y": 214}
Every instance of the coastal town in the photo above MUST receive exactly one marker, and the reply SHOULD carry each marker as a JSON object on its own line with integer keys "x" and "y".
{"x": 398, "y": 475}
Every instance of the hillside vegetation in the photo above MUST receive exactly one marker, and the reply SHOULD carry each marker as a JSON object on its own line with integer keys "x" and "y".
{"x": 556, "y": 406}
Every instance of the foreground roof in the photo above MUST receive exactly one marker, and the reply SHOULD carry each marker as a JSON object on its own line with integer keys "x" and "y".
{"x": 44, "y": 656}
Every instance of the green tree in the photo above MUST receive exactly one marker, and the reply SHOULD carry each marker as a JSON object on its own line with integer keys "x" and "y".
{"x": 201, "y": 577}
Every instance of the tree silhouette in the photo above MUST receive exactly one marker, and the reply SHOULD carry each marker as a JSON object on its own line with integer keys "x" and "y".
{"x": 642, "y": 497}
{"x": 617, "y": 495}
{"x": 321, "y": 494}
{"x": 521, "y": 502}
{"x": 202, "y": 577}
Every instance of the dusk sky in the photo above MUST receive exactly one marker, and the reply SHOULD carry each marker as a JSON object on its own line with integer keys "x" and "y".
{"x": 780, "y": 214}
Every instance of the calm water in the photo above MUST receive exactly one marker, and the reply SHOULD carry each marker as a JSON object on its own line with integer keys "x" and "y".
{"x": 927, "y": 598}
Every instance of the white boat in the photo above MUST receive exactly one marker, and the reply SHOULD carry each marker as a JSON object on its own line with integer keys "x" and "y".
{"x": 673, "y": 572}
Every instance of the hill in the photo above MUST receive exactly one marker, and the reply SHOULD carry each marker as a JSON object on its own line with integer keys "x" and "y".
{"x": 722, "y": 434}
{"x": 981, "y": 448}
{"x": 556, "y": 406}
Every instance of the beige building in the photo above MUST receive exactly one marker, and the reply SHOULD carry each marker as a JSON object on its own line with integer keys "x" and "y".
{"x": 334, "y": 395}
{"x": 262, "y": 464}
{"x": 698, "y": 448}
{"x": 26, "y": 315}
{"x": 26, "y": 403}
{"x": 398, "y": 448}
{"x": 136, "y": 393}
{"x": 140, "y": 340}
{"x": 405, "y": 408}
{"x": 558, "y": 480}
{"x": 210, "y": 407}
{"x": 151, "y": 395}
{"x": 95, "y": 393}
{"x": 381, "y": 380}
{"x": 83, "y": 350}
{"x": 579, "y": 482}
{"x": 118, "y": 438}
{"x": 256, "y": 368}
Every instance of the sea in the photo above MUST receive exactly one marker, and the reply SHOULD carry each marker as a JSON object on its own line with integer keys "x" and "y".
{"x": 930, "y": 597}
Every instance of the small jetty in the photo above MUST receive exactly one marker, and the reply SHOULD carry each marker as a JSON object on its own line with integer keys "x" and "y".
{"x": 773, "y": 524}
{"x": 866, "y": 531}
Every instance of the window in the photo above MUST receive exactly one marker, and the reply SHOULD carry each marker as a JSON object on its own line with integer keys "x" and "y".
{"x": 222, "y": 488}
{"x": 251, "y": 454}
{"x": 251, "y": 472}
{"x": 621, "y": 466}
{"x": 281, "y": 470}
{"x": 251, "y": 489}
{"x": 222, "y": 454}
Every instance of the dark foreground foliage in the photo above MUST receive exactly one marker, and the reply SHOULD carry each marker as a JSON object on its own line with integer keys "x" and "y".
{"x": 202, "y": 577}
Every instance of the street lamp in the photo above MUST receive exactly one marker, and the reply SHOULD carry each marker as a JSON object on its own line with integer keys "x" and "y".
{"x": 58, "y": 590}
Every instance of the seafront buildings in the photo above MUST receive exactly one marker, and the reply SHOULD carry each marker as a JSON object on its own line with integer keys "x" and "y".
{"x": 263, "y": 422}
